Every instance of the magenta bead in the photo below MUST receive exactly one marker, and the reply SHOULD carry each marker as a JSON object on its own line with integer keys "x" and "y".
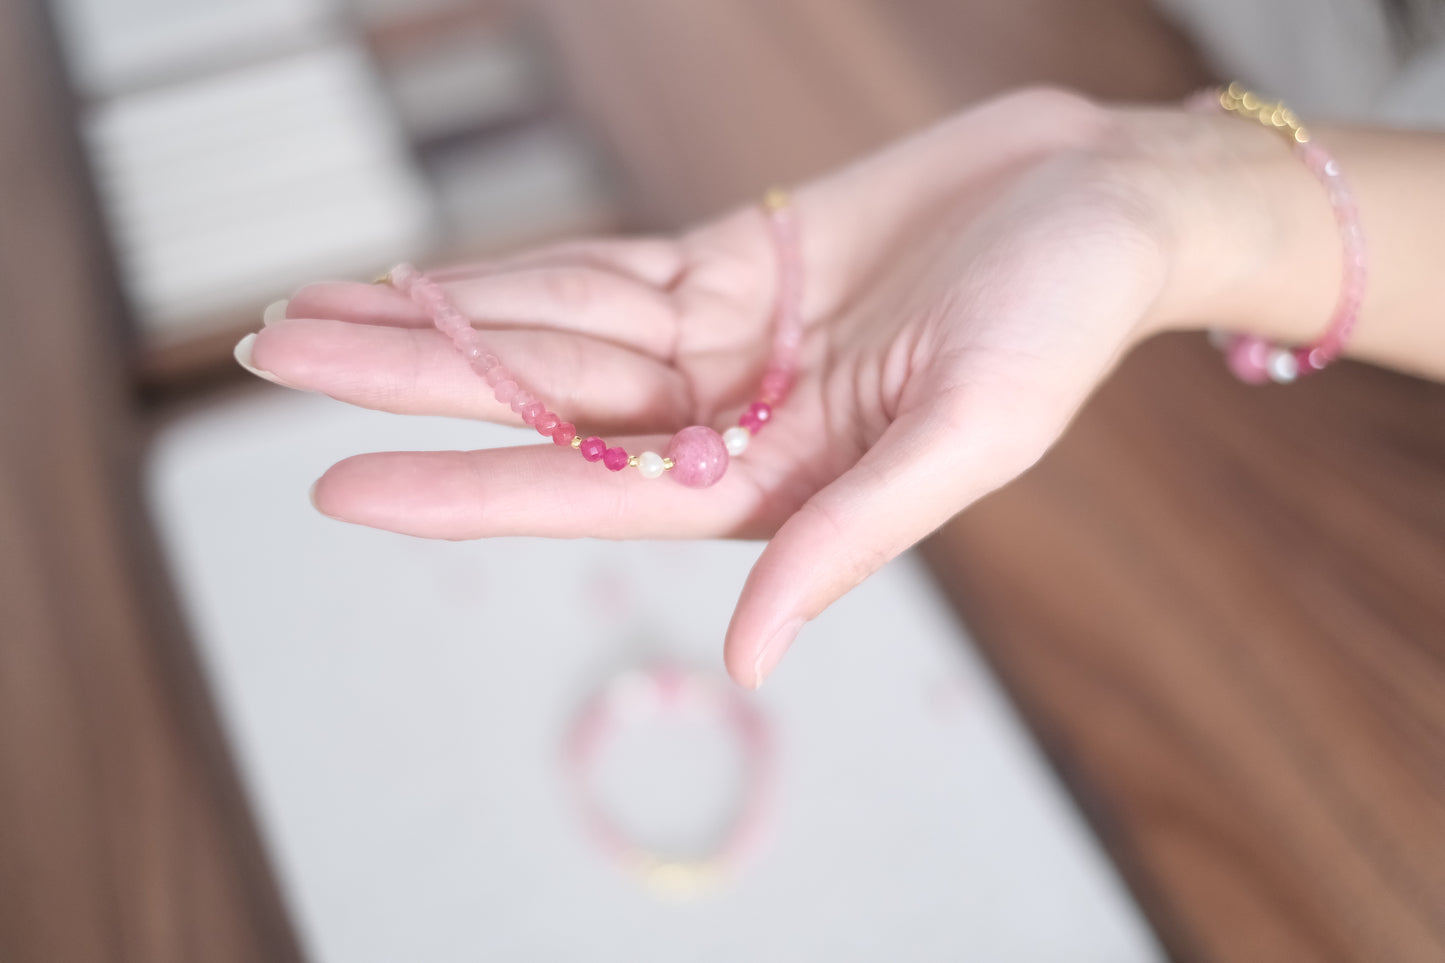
{"x": 1248, "y": 358}
{"x": 545, "y": 422}
{"x": 699, "y": 456}
{"x": 762, "y": 411}
{"x": 564, "y": 433}
{"x": 750, "y": 421}
{"x": 615, "y": 459}
{"x": 593, "y": 448}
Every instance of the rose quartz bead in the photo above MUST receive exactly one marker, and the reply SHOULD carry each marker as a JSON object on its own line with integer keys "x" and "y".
{"x": 615, "y": 459}
{"x": 699, "y": 456}
{"x": 545, "y": 422}
{"x": 498, "y": 374}
{"x": 593, "y": 448}
{"x": 564, "y": 433}
{"x": 1248, "y": 358}
{"x": 531, "y": 411}
{"x": 506, "y": 391}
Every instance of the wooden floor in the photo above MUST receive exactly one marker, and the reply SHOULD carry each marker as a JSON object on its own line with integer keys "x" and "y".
{"x": 1222, "y": 609}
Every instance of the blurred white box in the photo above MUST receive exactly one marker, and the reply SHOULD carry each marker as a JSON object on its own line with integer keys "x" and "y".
{"x": 399, "y": 709}
{"x": 236, "y": 188}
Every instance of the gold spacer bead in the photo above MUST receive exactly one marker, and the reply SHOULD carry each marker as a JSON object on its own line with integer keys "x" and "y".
{"x": 576, "y": 441}
{"x": 775, "y": 199}
{"x": 667, "y": 464}
{"x": 631, "y": 461}
{"x": 382, "y": 278}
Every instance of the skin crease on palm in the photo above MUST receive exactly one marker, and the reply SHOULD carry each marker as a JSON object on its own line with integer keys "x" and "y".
{"x": 965, "y": 291}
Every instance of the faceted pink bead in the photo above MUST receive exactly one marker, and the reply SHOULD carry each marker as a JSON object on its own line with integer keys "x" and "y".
{"x": 750, "y": 421}
{"x": 775, "y": 385}
{"x": 615, "y": 459}
{"x": 498, "y": 374}
{"x": 593, "y": 448}
{"x": 762, "y": 411}
{"x": 531, "y": 412}
{"x": 521, "y": 400}
{"x": 1248, "y": 358}
{"x": 506, "y": 391}
{"x": 545, "y": 422}
{"x": 699, "y": 456}
{"x": 564, "y": 433}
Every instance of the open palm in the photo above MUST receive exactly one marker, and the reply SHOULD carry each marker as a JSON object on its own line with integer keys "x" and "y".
{"x": 964, "y": 292}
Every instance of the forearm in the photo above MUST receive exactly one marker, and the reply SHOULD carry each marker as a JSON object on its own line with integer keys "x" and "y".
{"x": 1255, "y": 247}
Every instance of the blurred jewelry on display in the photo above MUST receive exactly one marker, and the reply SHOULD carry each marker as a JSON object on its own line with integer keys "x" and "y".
{"x": 1253, "y": 359}
{"x": 697, "y": 456}
{"x": 671, "y": 693}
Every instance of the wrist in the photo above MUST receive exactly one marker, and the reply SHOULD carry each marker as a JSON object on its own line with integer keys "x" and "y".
{"x": 1250, "y": 239}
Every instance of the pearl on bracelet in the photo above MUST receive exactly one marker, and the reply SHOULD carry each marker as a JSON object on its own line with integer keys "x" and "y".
{"x": 736, "y": 439}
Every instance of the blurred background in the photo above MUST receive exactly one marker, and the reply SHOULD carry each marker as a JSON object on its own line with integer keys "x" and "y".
{"x": 1179, "y": 693}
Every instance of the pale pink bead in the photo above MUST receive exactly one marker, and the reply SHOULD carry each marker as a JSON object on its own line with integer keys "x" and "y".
{"x": 521, "y": 400}
{"x": 451, "y": 322}
{"x": 402, "y": 277}
{"x": 699, "y": 456}
{"x": 506, "y": 391}
{"x": 531, "y": 412}
{"x": 775, "y": 385}
{"x": 498, "y": 374}
{"x": 1248, "y": 358}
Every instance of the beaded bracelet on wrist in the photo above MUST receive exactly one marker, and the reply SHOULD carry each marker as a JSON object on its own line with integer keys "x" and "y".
{"x": 1256, "y": 360}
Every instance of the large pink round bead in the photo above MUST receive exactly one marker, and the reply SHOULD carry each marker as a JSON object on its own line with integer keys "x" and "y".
{"x": 699, "y": 457}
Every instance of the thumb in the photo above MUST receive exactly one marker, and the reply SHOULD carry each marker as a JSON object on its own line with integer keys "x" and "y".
{"x": 910, "y": 482}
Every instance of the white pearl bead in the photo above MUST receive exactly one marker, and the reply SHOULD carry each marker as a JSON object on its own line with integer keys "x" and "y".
{"x": 1282, "y": 366}
{"x": 649, "y": 463}
{"x": 736, "y": 439}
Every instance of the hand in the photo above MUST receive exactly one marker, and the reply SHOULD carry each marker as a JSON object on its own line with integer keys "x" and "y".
{"x": 964, "y": 292}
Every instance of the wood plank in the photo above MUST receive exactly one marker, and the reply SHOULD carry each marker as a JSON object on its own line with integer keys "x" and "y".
{"x": 123, "y": 834}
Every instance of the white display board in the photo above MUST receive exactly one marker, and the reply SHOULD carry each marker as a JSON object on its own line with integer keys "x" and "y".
{"x": 399, "y": 709}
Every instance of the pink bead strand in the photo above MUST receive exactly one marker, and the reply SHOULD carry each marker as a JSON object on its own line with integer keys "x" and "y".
{"x": 697, "y": 456}
{"x": 1256, "y": 360}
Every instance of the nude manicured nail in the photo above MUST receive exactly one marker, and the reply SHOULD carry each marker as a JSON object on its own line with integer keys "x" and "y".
{"x": 773, "y": 650}
{"x": 243, "y": 351}
{"x": 275, "y": 311}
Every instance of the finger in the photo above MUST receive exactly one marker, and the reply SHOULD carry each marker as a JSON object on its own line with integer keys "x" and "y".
{"x": 541, "y": 490}
{"x": 564, "y": 297}
{"x": 657, "y": 262}
{"x": 418, "y": 371}
{"x": 904, "y": 487}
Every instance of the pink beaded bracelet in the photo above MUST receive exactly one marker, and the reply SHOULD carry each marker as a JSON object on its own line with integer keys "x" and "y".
{"x": 1253, "y": 359}
{"x": 672, "y": 694}
{"x": 696, "y": 456}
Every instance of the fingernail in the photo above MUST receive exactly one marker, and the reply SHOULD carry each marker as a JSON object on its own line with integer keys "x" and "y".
{"x": 773, "y": 650}
{"x": 311, "y": 494}
{"x": 243, "y": 351}
{"x": 275, "y": 311}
